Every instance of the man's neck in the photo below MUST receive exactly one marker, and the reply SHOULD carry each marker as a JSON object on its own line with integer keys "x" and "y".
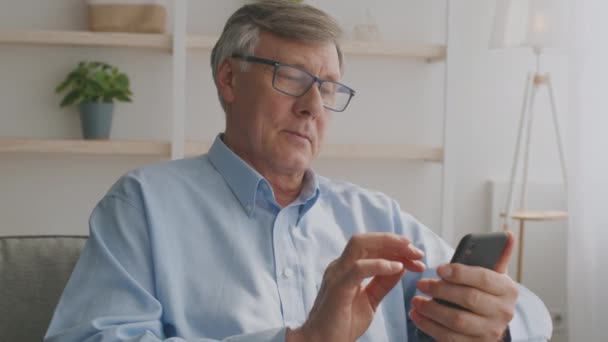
{"x": 286, "y": 188}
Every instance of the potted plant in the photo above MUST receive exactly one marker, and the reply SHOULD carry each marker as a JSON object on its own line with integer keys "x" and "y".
{"x": 94, "y": 86}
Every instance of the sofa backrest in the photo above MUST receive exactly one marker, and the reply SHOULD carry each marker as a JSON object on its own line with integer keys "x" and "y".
{"x": 33, "y": 272}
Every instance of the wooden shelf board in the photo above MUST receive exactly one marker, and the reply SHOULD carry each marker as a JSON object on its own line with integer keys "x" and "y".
{"x": 192, "y": 148}
{"x": 395, "y": 151}
{"x": 87, "y": 38}
{"x": 429, "y": 52}
{"x": 537, "y": 215}
{"x": 358, "y": 151}
{"x": 95, "y": 147}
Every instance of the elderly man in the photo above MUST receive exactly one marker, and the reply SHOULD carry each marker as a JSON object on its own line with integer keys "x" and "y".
{"x": 247, "y": 243}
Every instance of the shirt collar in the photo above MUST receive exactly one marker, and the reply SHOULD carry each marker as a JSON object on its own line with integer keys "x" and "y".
{"x": 310, "y": 192}
{"x": 244, "y": 181}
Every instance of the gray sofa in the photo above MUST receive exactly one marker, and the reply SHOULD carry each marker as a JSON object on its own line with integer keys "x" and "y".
{"x": 33, "y": 273}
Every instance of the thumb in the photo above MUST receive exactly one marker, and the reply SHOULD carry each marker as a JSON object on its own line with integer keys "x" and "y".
{"x": 380, "y": 286}
{"x": 503, "y": 262}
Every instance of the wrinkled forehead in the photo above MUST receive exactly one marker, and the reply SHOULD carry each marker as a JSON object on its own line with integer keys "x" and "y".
{"x": 318, "y": 58}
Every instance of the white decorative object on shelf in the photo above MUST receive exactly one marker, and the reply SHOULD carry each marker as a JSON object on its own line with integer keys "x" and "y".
{"x": 367, "y": 30}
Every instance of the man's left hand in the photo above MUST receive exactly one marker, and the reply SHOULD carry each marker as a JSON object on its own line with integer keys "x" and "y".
{"x": 489, "y": 296}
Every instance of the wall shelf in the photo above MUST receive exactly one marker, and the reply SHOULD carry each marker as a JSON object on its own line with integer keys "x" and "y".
{"x": 395, "y": 151}
{"x": 88, "y": 39}
{"x": 429, "y": 52}
{"x": 92, "y": 147}
{"x": 356, "y": 151}
{"x": 192, "y": 148}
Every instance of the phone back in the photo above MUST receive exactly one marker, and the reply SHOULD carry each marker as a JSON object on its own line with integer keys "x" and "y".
{"x": 482, "y": 250}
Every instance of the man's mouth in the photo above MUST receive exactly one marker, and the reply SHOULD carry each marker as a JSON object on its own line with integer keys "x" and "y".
{"x": 300, "y": 135}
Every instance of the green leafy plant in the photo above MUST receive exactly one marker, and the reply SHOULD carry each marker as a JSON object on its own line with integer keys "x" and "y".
{"x": 94, "y": 82}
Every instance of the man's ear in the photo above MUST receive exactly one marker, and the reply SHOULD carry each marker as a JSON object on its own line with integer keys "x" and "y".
{"x": 226, "y": 80}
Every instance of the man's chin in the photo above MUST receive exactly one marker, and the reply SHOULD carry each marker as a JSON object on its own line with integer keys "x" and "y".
{"x": 297, "y": 161}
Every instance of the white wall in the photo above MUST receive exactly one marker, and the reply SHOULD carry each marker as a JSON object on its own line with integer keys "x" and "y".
{"x": 397, "y": 102}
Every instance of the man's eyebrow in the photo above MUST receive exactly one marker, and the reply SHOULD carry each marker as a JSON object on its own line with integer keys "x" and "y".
{"x": 329, "y": 77}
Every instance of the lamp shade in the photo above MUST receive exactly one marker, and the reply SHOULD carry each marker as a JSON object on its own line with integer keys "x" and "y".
{"x": 528, "y": 23}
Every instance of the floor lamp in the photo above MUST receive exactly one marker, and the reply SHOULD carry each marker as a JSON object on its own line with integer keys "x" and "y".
{"x": 536, "y": 25}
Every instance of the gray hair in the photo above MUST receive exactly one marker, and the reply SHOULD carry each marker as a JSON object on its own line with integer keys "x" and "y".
{"x": 283, "y": 18}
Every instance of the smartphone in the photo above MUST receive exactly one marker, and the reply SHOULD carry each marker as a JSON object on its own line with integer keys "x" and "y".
{"x": 483, "y": 250}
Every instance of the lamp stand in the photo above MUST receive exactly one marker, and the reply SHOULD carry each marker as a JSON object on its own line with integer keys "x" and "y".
{"x": 534, "y": 81}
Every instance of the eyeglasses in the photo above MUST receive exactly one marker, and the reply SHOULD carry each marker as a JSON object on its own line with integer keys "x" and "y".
{"x": 294, "y": 81}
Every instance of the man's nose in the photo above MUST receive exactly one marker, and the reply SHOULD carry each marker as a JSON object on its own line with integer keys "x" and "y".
{"x": 311, "y": 103}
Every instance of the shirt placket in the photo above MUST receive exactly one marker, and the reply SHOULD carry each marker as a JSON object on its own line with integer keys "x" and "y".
{"x": 288, "y": 268}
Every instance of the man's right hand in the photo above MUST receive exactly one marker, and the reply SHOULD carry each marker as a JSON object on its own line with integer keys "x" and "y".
{"x": 344, "y": 307}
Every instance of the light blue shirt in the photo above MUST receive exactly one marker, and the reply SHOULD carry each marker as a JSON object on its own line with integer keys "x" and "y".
{"x": 199, "y": 250}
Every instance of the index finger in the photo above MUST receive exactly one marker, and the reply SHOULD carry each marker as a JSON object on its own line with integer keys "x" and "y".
{"x": 380, "y": 245}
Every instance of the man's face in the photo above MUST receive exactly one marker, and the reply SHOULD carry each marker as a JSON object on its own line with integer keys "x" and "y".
{"x": 272, "y": 131}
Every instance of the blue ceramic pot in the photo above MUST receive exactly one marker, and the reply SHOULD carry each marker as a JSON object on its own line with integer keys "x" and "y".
{"x": 96, "y": 120}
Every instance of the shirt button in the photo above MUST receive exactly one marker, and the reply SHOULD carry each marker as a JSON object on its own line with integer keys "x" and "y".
{"x": 295, "y": 231}
{"x": 287, "y": 272}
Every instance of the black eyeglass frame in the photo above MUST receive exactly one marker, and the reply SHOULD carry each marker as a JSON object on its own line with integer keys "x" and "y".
{"x": 315, "y": 79}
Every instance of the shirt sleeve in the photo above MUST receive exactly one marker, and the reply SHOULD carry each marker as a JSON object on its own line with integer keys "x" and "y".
{"x": 531, "y": 321}
{"x": 111, "y": 293}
